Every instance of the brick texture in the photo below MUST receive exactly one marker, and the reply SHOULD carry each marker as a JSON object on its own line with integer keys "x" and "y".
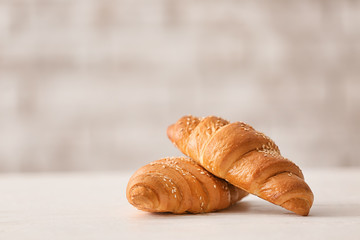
{"x": 93, "y": 85}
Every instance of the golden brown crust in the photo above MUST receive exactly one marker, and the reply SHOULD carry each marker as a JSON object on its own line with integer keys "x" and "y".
{"x": 179, "y": 185}
{"x": 245, "y": 157}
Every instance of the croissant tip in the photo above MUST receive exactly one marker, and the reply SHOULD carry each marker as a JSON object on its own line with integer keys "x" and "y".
{"x": 298, "y": 206}
{"x": 169, "y": 130}
{"x": 143, "y": 198}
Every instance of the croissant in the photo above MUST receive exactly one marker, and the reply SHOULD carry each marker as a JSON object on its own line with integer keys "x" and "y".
{"x": 244, "y": 157}
{"x": 179, "y": 185}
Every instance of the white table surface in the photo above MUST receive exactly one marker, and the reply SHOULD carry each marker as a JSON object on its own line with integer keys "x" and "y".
{"x": 93, "y": 206}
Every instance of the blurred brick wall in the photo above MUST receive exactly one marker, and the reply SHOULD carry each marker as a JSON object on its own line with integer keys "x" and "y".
{"x": 93, "y": 85}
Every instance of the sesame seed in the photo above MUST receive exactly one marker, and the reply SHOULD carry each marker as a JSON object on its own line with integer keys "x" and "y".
{"x": 214, "y": 186}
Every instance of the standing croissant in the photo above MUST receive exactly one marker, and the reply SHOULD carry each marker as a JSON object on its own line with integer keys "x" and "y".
{"x": 244, "y": 157}
{"x": 179, "y": 185}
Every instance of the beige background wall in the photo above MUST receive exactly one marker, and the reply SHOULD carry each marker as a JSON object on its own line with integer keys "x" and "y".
{"x": 93, "y": 85}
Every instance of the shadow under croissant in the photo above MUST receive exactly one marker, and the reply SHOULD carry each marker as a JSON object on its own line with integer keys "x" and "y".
{"x": 238, "y": 207}
{"x": 256, "y": 208}
{"x": 242, "y": 207}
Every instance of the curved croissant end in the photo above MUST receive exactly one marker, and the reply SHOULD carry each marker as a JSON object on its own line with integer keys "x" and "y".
{"x": 244, "y": 157}
{"x": 179, "y": 185}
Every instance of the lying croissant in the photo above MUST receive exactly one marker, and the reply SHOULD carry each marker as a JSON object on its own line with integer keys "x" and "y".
{"x": 244, "y": 157}
{"x": 179, "y": 185}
